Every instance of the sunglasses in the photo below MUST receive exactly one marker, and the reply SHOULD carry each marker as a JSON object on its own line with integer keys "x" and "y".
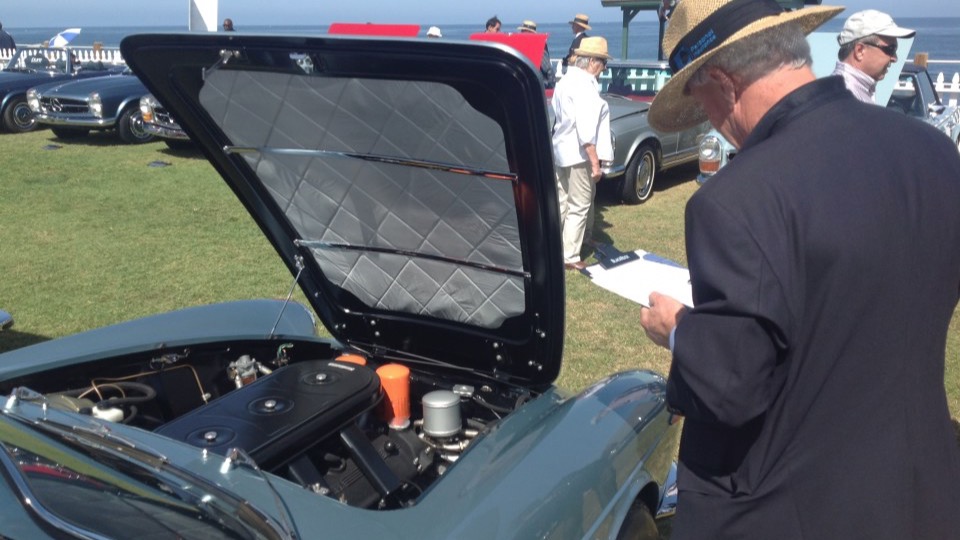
{"x": 889, "y": 50}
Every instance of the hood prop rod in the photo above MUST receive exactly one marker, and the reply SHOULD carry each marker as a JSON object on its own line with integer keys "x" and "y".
{"x": 298, "y": 261}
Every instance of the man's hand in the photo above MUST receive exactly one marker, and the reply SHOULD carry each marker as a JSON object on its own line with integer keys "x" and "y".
{"x": 591, "y": 151}
{"x": 661, "y": 318}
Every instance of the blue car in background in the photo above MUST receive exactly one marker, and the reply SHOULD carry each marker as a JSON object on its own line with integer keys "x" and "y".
{"x": 916, "y": 95}
{"x": 73, "y": 108}
{"x": 158, "y": 121}
{"x": 32, "y": 66}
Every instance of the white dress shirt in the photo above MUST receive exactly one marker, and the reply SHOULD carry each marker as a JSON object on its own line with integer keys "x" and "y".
{"x": 581, "y": 117}
{"x": 863, "y": 86}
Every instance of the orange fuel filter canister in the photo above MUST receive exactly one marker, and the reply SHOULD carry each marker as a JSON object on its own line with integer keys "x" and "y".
{"x": 395, "y": 381}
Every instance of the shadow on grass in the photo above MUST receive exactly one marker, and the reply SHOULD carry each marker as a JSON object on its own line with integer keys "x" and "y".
{"x": 101, "y": 138}
{"x": 608, "y": 192}
{"x": 664, "y": 527}
{"x": 109, "y": 138}
{"x": 608, "y": 195}
{"x": 188, "y": 151}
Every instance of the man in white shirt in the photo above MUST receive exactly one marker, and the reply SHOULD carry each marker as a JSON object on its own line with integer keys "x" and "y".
{"x": 581, "y": 140}
{"x": 868, "y": 45}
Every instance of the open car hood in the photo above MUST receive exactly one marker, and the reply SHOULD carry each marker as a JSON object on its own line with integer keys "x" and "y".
{"x": 407, "y": 183}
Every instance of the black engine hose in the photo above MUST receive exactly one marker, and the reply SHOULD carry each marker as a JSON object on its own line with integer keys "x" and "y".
{"x": 146, "y": 390}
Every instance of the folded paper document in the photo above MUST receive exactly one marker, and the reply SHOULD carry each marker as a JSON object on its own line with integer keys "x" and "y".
{"x": 635, "y": 274}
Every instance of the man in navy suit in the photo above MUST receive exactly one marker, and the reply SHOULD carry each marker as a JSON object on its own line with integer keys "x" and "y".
{"x": 579, "y": 26}
{"x": 825, "y": 267}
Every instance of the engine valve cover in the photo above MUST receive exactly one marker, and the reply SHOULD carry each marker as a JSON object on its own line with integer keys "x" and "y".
{"x": 279, "y": 416}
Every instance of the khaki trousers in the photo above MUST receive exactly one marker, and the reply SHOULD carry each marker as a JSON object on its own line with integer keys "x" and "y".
{"x": 576, "y": 190}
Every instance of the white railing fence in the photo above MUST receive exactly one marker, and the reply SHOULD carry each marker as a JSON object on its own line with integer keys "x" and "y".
{"x": 107, "y": 55}
{"x": 948, "y": 86}
{"x": 946, "y": 78}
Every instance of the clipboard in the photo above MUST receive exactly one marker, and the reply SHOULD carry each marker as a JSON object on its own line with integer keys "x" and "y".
{"x": 635, "y": 274}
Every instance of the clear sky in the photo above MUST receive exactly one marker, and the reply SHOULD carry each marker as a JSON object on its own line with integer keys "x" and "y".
{"x": 68, "y": 13}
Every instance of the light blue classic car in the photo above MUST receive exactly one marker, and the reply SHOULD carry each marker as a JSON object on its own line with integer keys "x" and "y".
{"x": 72, "y": 108}
{"x": 408, "y": 185}
{"x": 916, "y": 95}
{"x": 31, "y": 66}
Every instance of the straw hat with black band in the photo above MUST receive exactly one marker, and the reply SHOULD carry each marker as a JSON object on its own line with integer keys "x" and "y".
{"x": 528, "y": 26}
{"x": 593, "y": 47}
{"x": 699, "y": 29}
{"x": 581, "y": 20}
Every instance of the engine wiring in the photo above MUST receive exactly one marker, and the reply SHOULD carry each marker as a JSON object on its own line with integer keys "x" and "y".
{"x": 97, "y": 383}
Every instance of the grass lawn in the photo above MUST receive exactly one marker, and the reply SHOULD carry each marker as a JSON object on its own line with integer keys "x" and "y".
{"x": 94, "y": 232}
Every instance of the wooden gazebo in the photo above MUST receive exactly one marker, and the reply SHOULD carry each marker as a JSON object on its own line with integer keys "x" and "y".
{"x": 631, "y": 8}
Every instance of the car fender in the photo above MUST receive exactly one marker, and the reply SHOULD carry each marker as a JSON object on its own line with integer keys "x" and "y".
{"x": 10, "y": 97}
{"x": 557, "y": 467}
{"x": 229, "y": 321}
{"x": 132, "y": 101}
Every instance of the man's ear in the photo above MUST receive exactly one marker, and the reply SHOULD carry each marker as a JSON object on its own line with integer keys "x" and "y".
{"x": 727, "y": 83}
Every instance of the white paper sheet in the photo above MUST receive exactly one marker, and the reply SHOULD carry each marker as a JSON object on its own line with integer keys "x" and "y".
{"x": 636, "y": 279}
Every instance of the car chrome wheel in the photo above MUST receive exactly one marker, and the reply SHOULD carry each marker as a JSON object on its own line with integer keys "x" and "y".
{"x": 18, "y": 118}
{"x": 130, "y": 127}
{"x": 641, "y": 172}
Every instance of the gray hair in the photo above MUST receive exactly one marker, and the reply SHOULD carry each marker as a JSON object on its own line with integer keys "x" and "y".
{"x": 582, "y": 62}
{"x": 760, "y": 54}
{"x": 846, "y": 49}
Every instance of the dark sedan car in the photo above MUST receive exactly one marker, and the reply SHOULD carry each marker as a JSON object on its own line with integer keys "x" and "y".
{"x": 640, "y": 152}
{"x": 413, "y": 199}
{"x": 73, "y": 108}
{"x": 32, "y": 66}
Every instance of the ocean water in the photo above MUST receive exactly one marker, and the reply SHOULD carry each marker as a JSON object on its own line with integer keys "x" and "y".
{"x": 939, "y": 37}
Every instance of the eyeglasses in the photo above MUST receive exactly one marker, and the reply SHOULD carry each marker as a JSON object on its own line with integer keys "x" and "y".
{"x": 889, "y": 50}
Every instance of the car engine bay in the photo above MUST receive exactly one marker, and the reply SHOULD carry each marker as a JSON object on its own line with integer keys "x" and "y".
{"x": 369, "y": 432}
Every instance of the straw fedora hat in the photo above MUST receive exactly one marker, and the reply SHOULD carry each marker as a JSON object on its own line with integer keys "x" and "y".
{"x": 527, "y": 26}
{"x": 582, "y": 20}
{"x": 594, "y": 47}
{"x": 699, "y": 29}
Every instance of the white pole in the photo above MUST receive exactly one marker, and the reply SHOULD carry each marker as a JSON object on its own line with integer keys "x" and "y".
{"x": 202, "y": 16}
